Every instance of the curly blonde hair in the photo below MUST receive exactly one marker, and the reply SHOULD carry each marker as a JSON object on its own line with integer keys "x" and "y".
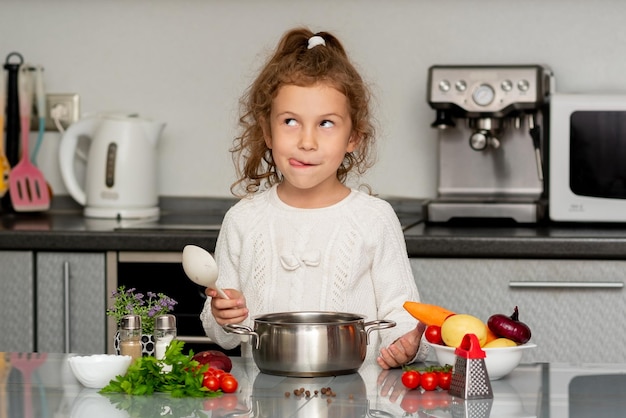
{"x": 294, "y": 64}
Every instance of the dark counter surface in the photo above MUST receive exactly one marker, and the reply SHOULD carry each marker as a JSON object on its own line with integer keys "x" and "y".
{"x": 577, "y": 241}
{"x": 197, "y": 221}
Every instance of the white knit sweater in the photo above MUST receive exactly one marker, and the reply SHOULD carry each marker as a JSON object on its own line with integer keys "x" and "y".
{"x": 348, "y": 257}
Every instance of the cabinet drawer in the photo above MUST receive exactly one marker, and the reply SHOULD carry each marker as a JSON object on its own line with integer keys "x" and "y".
{"x": 568, "y": 304}
{"x": 71, "y": 302}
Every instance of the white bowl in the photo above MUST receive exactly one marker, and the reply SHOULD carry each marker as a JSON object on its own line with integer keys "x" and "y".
{"x": 97, "y": 370}
{"x": 499, "y": 361}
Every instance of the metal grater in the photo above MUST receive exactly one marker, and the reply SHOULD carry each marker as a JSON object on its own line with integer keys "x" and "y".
{"x": 470, "y": 379}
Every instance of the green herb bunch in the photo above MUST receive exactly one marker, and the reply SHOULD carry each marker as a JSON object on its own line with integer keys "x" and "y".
{"x": 145, "y": 377}
{"x": 128, "y": 301}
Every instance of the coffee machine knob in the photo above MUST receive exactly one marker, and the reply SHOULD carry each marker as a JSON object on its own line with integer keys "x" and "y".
{"x": 479, "y": 140}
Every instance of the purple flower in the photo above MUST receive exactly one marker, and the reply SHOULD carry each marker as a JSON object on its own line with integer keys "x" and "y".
{"x": 128, "y": 302}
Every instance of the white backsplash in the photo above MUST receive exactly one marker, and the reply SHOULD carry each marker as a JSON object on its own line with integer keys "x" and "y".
{"x": 186, "y": 63}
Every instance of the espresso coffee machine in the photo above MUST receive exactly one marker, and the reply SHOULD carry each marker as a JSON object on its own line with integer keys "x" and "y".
{"x": 492, "y": 123}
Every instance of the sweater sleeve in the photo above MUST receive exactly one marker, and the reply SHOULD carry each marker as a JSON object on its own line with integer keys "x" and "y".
{"x": 393, "y": 278}
{"x": 227, "y": 253}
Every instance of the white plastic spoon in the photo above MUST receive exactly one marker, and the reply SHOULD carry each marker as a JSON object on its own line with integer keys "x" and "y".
{"x": 201, "y": 268}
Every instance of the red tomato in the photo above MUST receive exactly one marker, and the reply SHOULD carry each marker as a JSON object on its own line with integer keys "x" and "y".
{"x": 445, "y": 378}
{"x": 429, "y": 381}
{"x": 219, "y": 374}
{"x": 228, "y": 384}
{"x": 411, "y": 379}
{"x": 433, "y": 334}
{"x": 211, "y": 382}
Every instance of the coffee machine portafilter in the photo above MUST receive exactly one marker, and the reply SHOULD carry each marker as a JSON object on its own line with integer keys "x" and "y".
{"x": 492, "y": 136}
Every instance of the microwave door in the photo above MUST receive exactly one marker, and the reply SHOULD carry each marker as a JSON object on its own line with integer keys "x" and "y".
{"x": 598, "y": 154}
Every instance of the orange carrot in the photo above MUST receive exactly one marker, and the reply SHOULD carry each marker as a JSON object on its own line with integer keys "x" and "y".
{"x": 427, "y": 314}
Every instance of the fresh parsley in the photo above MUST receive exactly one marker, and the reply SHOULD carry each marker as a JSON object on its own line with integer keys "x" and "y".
{"x": 145, "y": 376}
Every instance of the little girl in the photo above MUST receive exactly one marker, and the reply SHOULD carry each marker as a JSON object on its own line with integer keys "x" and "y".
{"x": 300, "y": 239}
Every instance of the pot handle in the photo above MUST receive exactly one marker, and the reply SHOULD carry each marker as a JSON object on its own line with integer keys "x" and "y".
{"x": 243, "y": 330}
{"x": 376, "y": 325}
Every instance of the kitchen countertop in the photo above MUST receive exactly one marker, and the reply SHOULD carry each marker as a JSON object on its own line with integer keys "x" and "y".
{"x": 196, "y": 221}
{"x": 531, "y": 390}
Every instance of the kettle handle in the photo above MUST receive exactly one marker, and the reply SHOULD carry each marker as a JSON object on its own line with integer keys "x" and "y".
{"x": 67, "y": 151}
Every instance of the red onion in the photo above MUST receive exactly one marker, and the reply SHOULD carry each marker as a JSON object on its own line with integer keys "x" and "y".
{"x": 509, "y": 327}
{"x": 215, "y": 359}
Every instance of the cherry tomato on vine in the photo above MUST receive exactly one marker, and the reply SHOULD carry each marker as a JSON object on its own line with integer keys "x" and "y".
{"x": 433, "y": 334}
{"x": 429, "y": 381}
{"x": 445, "y": 378}
{"x": 228, "y": 383}
{"x": 411, "y": 379}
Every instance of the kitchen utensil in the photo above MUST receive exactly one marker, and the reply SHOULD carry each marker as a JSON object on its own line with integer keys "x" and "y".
{"x": 121, "y": 171}
{"x": 41, "y": 110}
{"x": 470, "y": 379}
{"x": 201, "y": 268}
{"x": 12, "y": 66}
{"x": 27, "y": 363}
{"x": 27, "y": 185}
{"x": 5, "y": 167}
{"x": 500, "y": 361}
{"x": 309, "y": 344}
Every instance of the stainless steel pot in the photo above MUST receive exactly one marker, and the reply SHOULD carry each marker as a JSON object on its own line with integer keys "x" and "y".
{"x": 309, "y": 344}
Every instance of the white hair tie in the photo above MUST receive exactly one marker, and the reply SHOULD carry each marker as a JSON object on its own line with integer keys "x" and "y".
{"x": 315, "y": 41}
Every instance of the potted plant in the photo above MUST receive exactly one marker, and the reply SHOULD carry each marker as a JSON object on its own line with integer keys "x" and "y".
{"x": 148, "y": 306}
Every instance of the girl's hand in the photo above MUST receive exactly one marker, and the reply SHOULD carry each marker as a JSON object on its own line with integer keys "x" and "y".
{"x": 402, "y": 350}
{"x": 228, "y": 311}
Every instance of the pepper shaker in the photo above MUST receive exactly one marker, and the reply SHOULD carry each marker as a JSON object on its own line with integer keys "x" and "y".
{"x": 130, "y": 336}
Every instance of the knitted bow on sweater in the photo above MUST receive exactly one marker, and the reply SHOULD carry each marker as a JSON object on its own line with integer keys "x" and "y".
{"x": 292, "y": 261}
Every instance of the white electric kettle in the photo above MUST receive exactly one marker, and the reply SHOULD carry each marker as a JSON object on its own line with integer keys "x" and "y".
{"x": 121, "y": 169}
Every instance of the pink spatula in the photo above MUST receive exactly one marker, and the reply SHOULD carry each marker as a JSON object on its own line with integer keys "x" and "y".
{"x": 5, "y": 167}
{"x": 27, "y": 185}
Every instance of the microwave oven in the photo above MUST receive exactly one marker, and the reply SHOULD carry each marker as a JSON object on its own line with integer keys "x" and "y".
{"x": 587, "y": 158}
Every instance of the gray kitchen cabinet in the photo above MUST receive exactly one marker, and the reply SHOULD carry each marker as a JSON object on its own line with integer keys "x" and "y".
{"x": 575, "y": 308}
{"x": 16, "y": 301}
{"x": 71, "y": 302}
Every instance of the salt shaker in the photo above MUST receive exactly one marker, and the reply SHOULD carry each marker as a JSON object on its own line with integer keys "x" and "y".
{"x": 130, "y": 336}
{"x": 164, "y": 333}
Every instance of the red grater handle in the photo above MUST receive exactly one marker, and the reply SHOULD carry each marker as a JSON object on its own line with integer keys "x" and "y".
{"x": 470, "y": 348}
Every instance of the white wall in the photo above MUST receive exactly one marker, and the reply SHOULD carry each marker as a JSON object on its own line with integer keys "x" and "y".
{"x": 186, "y": 62}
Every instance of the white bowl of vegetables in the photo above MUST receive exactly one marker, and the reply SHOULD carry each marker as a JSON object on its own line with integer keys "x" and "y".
{"x": 499, "y": 361}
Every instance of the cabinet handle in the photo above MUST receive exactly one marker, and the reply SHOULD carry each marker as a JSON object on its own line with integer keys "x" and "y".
{"x": 66, "y": 307}
{"x": 568, "y": 285}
